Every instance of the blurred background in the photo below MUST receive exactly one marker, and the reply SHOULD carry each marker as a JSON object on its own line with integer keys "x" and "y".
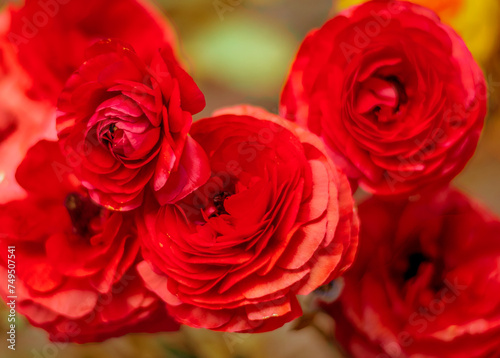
{"x": 239, "y": 51}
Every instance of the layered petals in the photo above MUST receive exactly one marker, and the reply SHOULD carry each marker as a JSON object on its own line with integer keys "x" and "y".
{"x": 75, "y": 271}
{"x": 425, "y": 282}
{"x": 394, "y": 93}
{"x": 127, "y": 126}
{"x": 276, "y": 219}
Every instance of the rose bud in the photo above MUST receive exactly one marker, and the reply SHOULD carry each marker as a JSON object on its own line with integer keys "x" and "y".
{"x": 74, "y": 261}
{"x": 425, "y": 282}
{"x": 124, "y": 127}
{"x": 394, "y": 93}
{"x": 275, "y": 220}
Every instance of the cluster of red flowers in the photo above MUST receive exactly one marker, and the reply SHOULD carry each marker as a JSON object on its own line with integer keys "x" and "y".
{"x": 128, "y": 217}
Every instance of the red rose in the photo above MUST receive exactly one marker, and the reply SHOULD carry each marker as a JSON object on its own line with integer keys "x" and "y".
{"x": 75, "y": 262}
{"x": 394, "y": 93}
{"x": 276, "y": 219}
{"x": 42, "y": 43}
{"x": 124, "y": 126}
{"x": 425, "y": 283}
{"x": 51, "y": 36}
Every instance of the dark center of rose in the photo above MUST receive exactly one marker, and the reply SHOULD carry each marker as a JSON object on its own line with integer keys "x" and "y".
{"x": 82, "y": 211}
{"x": 218, "y": 201}
{"x": 414, "y": 262}
{"x": 108, "y": 134}
{"x": 381, "y": 98}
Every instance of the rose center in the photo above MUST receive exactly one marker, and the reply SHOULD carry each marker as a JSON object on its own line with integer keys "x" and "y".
{"x": 218, "y": 202}
{"x": 414, "y": 262}
{"x": 109, "y": 134}
{"x": 84, "y": 213}
{"x": 381, "y": 98}
{"x": 112, "y": 130}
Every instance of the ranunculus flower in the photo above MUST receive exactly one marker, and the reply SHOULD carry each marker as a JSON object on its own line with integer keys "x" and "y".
{"x": 394, "y": 93}
{"x": 75, "y": 262}
{"x": 275, "y": 220}
{"x": 124, "y": 127}
{"x": 425, "y": 283}
{"x": 42, "y": 42}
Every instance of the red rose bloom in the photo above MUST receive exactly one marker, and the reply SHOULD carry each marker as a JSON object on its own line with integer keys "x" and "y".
{"x": 276, "y": 219}
{"x": 42, "y": 43}
{"x": 124, "y": 125}
{"x": 425, "y": 283}
{"x": 394, "y": 93}
{"x": 75, "y": 262}
{"x": 51, "y": 36}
